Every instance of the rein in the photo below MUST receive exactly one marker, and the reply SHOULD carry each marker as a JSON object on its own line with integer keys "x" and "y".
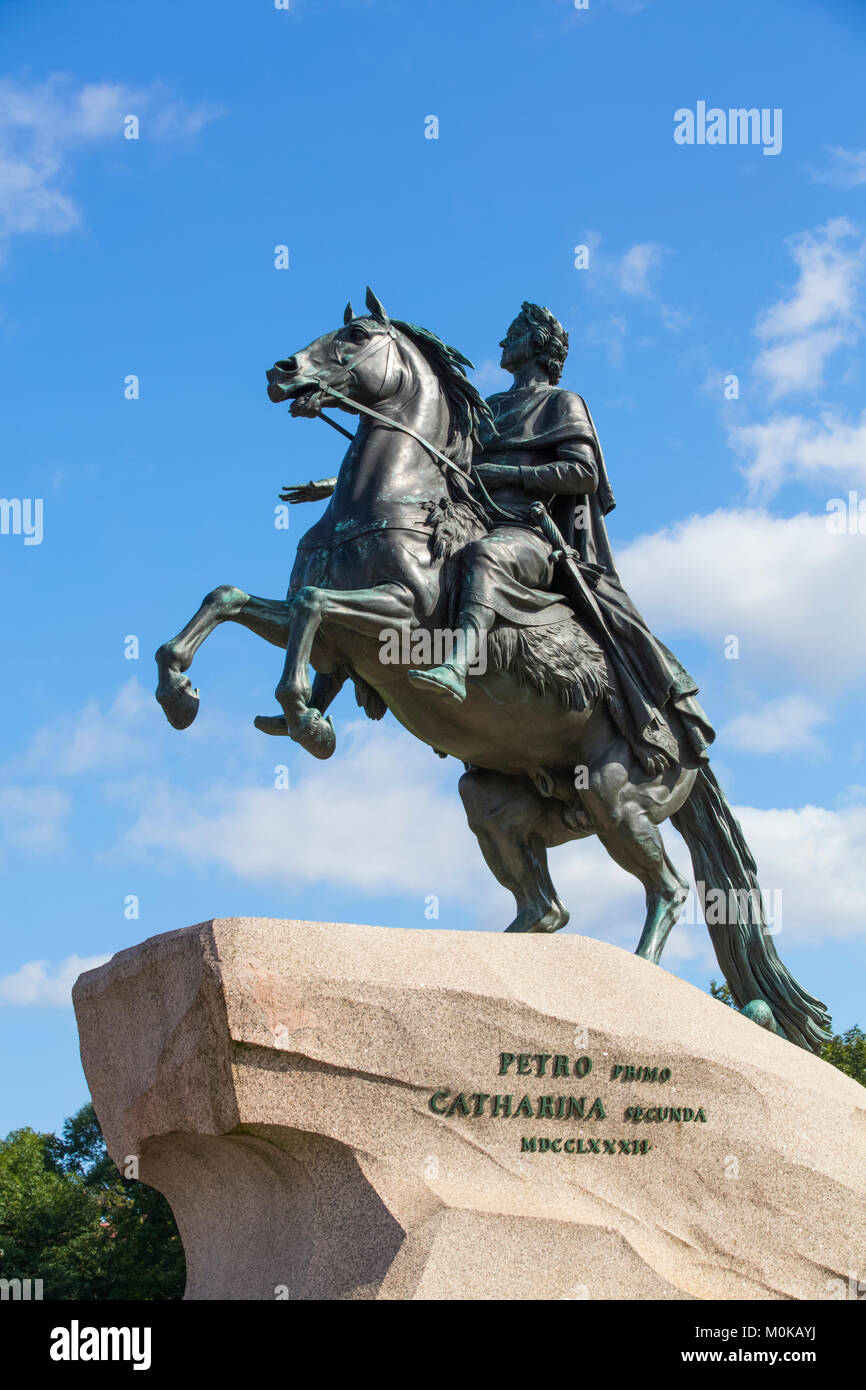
{"x": 394, "y": 424}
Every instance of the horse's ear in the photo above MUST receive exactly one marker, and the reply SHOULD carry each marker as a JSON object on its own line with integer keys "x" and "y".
{"x": 377, "y": 309}
{"x": 348, "y": 313}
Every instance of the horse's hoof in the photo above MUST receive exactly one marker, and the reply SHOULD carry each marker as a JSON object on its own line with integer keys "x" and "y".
{"x": 553, "y": 920}
{"x": 272, "y": 724}
{"x": 557, "y": 918}
{"x": 316, "y": 734}
{"x": 179, "y": 701}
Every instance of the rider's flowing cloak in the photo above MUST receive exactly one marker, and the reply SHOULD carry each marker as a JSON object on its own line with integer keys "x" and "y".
{"x": 655, "y": 688}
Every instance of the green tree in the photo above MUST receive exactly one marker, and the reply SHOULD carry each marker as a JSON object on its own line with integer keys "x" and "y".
{"x": 49, "y": 1226}
{"x": 68, "y": 1217}
{"x": 847, "y": 1051}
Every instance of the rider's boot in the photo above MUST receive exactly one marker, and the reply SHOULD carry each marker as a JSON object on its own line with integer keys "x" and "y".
{"x": 449, "y": 680}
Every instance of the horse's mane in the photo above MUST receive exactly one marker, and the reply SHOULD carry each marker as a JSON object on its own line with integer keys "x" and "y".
{"x": 466, "y": 405}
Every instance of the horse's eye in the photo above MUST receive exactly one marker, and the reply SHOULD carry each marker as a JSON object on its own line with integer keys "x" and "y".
{"x": 357, "y": 335}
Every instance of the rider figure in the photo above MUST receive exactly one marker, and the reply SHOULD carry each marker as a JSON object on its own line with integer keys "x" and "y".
{"x": 545, "y": 450}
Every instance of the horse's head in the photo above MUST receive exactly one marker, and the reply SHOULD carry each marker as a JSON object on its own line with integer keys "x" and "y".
{"x": 373, "y": 360}
{"x": 364, "y": 360}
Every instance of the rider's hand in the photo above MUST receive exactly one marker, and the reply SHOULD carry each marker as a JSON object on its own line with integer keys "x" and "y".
{"x": 308, "y": 492}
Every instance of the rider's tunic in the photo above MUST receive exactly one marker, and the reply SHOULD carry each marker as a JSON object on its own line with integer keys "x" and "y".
{"x": 548, "y": 433}
{"x": 510, "y": 569}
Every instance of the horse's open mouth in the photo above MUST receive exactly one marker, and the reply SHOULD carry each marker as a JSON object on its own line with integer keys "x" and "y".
{"x": 297, "y": 395}
{"x": 308, "y": 401}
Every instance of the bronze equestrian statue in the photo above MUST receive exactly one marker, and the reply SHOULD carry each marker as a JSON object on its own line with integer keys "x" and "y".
{"x": 483, "y": 521}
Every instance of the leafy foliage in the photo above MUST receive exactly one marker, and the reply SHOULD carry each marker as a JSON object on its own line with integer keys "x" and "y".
{"x": 847, "y": 1051}
{"x": 69, "y": 1218}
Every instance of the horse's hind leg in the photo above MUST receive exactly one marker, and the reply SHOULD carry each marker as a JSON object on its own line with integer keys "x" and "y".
{"x": 515, "y": 825}
{"x": 267, "y": 618}
{"x": 625, "y": 814}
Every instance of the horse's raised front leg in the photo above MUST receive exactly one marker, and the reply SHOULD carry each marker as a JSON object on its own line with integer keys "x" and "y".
{"x": 326, "y": 687}
{"x": 267, "y": 618}
{"x": 366, "y": 611}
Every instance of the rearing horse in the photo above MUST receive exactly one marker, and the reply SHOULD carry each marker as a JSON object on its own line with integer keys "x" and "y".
{"x": 383, "y": 559}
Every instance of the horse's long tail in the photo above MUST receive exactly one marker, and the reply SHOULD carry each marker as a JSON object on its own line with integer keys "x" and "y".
{"x": 723, "y": 862}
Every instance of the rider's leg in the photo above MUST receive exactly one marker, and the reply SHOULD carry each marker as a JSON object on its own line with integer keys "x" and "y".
{"x": 474, "y": 622}
{"x": 507, "y": 572}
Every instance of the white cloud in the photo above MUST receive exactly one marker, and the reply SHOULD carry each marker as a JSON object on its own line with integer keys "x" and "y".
{"x": 490, "y": 377}
{"x": 633, "y": 272}
{"x": 820, "y": 314}
{"x": 829, "y": 450}
{"x": 41, "y": 125}
{"x": 776, "y": 727}
{"x": 610, "y": 335}
{"x": 798, "y": 365}
{"x": 815, "y": 857}
{"x": 793, "y": 593}
{"x": 800, "y": 332}
{"x": 826, "y": 287}
{"x": 94, "y": 739}
{"x": 384, "y": 812}
{"x": 41, "y": 984}
{"x": 847, "y": 169}
{"x": 31, "y": 817}
{"x": 634, "y": 275}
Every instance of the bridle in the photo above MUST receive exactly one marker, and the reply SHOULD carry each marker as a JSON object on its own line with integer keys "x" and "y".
{"x": 327, "y": 387}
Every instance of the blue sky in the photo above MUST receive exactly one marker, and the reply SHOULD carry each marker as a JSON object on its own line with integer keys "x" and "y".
{"x": 155, "y": 257}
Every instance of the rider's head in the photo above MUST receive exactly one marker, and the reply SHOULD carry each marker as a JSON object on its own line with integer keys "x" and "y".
{"x": 535, "y": 336}
{"x": 549, "y": 339}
